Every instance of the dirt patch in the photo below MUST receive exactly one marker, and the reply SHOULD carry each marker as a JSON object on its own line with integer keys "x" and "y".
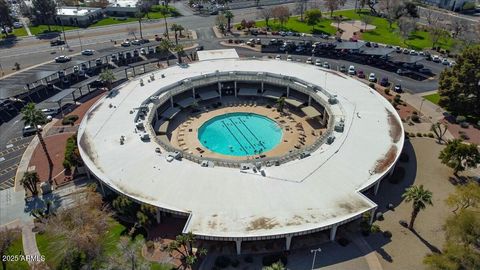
{"x": 262, "y": 223}
{"x": 395, "y": 127}
{"x": 386, "y": 161}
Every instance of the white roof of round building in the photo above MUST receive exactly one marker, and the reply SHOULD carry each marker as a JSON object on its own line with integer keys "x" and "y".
{"x": 296, "y": 197}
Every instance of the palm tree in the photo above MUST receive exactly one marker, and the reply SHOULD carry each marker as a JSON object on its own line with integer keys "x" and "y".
{"x": 280, "y": 103}
{"x": 107, "y": 76}
{"x": 174, "y": 27}
{"x": 420, "y": 197}
{"x": 139, "y": 15}
{"x": 276, "y": 266}
{"x": 164, "y": 12}
{"x": 29, "y": 181}
{"x": 229, "y": 15}
{"x": 180, "y": 29}
{"x": 34, "y": 117}
{"x": 164, "y": 47}
{"x": 179, "y": 50}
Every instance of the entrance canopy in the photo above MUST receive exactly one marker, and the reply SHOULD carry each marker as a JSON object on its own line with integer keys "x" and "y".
{"x": 208, "y": 95}
{"x": 311, "y": 112}
{"x": 247, "y": 92}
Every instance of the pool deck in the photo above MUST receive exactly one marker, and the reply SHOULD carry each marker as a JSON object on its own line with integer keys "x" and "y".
{"x": 291, "y": 134}
{"x": 298, "y": 197}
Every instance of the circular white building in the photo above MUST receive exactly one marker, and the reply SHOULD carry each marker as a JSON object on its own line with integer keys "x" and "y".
{"x": 338, "y": 137}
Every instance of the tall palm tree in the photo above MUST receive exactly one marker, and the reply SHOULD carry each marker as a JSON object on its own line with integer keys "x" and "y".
{"x": 174, "y": 27}
{"x": 164, "y": 11}
{"x": 229, "y": 15}
{"x": 179, "y": 50}
{"x": 29, "y": 181}
{"x": 164, "y": 47}
{"x": 420, "y": 197}
{"x": 107, "y": 76}
{"x": 139, "y": 15}
{"x": 34, "y": 117}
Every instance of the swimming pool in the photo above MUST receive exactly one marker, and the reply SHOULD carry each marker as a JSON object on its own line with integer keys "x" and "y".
{"x": 240, "y": 134}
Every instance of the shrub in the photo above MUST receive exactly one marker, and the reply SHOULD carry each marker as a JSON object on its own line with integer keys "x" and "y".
{"x": 387, "y": 91}
{"x": 235, "y": 263}
{"x": 415, "y": 118}
{"x": 387, "y": 234}
{"x": 460, "y": 119}
{"x": 415, "y": 112}
{"x": 372, "y": 85}
{"x": 343, "y": 242}
{"x": 375, "y": 228}
{"x": 398, "y": 99}
{"x": 72, "y": 157}
{"x": 430, "y": 135}
{"x": 222, "y": 261}
{"x": 270, "y": 259}
{"x": 412, "y": 135}
{"x": 69, "y": 119}
{"x": 419, "y": 134}
{"x": 464, "y": 136}
{"x": 248, "y": 259}
{"x": 150, "y": 245}
{"x": 397, "y": 176}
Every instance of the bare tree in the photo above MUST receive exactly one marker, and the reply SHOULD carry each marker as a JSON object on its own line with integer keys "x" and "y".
{"x": 430, "y": 15}
{"x": 471, "y": 35}
{"x": 129, "y": 255}
{"x": 366, "y": 19}
{"x": 301, "y": 7}
{"x": 7, "y": 237}
{"x": 395, "y": 9}
{"x": 457, "y": 26}
{"x": 266, "y": 14}
{"x": 406, "y": 26}
{"x": 333, "y": 5}
{"x": 437, "y": 31}
{"x": 281, "y": 13}
{"x": 221, "y": 21}
{"x": 439, "y": 130}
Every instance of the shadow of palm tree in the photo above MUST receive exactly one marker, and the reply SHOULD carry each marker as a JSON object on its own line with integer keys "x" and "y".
{"x": 432, "y": 248}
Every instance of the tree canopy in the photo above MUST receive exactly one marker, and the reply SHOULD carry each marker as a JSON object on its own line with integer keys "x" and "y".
{"x": 44, "y": 11}
{"x": 313, "y": 16}
{"x": 6, "y": 19}
{"x": 459, "y": 86}
{"x": 459, "y": 156}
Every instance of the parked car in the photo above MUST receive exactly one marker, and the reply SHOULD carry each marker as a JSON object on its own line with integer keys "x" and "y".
{"x": 126, "y": 43}
{"x": 436, "y": 58}
{"x": 143, "y": 51}
{"x": 278, "y": 57}
{"x": 61, "y": 74}
{"x": 199, "y": 48}
{"x": 372, "y": 77}
{"x": 360, "y": 74}
{"x": 425, "y": 71}
{"x": 50, "y": 111}
{"x": 17, "y": 25}
{"x": 398, "y": 88}
{"x": 445, "y": 61}
{"x": 289, "y": 58}
{"x": 88, "y": 52}
{"x": 403, "y": 71}
{"x": 351, "y": 70}
{"x": 81, "y": 73}
{"x": 151, "y": 50}
{"x": 398, "y": 49}
{"x": 83, "y": 66}
{"x": 113, "y": 58}
{"x": 98, "y": 62}
{"x": 326, "y": 64}
{"x": 29, "y": 130}
{"x": 62, "y": 59}
{"x": 158, "y": 38}
{"x": 309, "y": 61}
{"x": 136, "y": 42}
{"x": 318, "y": 62}
{"x": 452, "y": 63}
{"x": 65, "y": 81}
{"x": 343, "y": 68}
{"x": 76, "y": 69}
{"x": 384, "y": 81}
{"x": 136, "y": 53}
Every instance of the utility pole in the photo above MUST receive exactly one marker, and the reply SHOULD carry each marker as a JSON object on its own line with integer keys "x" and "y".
{"x": 63, "y": 30}
{"x": 80, "y": 40}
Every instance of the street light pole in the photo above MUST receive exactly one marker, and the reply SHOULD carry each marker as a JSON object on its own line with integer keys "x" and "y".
{"x": 421, "y": 104}
{"x": 80, "y": 40}
{"x": 314, "y": 251}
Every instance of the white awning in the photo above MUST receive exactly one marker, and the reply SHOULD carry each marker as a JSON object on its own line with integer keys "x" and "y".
{"x": 208, "y": 94}
{"x": 170, "y": 113}
{"x": 184, "y": 103}
{"x": 248, "y": 92}
{"x": 311, "y": 112}
{"x": 272, "y": 94}
{"x": 294, "y": 102}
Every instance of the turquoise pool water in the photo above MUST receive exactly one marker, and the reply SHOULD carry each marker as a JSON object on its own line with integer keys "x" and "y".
{"x": 240, "y": 134}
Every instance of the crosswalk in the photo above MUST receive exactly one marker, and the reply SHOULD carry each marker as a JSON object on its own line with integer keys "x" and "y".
{"x": 10, "y": 182}
{"x": 9, "y": 158}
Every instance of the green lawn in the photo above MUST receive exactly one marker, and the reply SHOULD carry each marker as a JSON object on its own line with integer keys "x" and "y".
{"x": 112, "y": 20}
{"x": 20, "y": 32}
{"x": 17, "y": 249}
{"x": 381, "y": 34}
{"x": 43, "y": 29}
{"x": 434, "y": 98}
{"x": 110, "y": 244}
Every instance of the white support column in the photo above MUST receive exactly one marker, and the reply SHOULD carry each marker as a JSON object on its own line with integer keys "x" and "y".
{"x": 235, "y": 87}
{"x": 288, "y": 241}
{"x": 156, "y": 114}
{"x": 372, "y": 215}
{"x": 171, "y": 101}
{"x": 262, "y": 87}
{"x": 193, "y": 92}
{"x": 158, "y": 217}
{"x": 238, "y": 244}
{"x": 288, "y": 90}
{"x": 101, "y": 187}
{"x": 309, "y": 100}
{"x": 377, "y": 186}
{"x": 333, "y": 232}
{"x": 89, "y": 176}
{"x": 391, "y": 170}
{"x": 325, "y": 115}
